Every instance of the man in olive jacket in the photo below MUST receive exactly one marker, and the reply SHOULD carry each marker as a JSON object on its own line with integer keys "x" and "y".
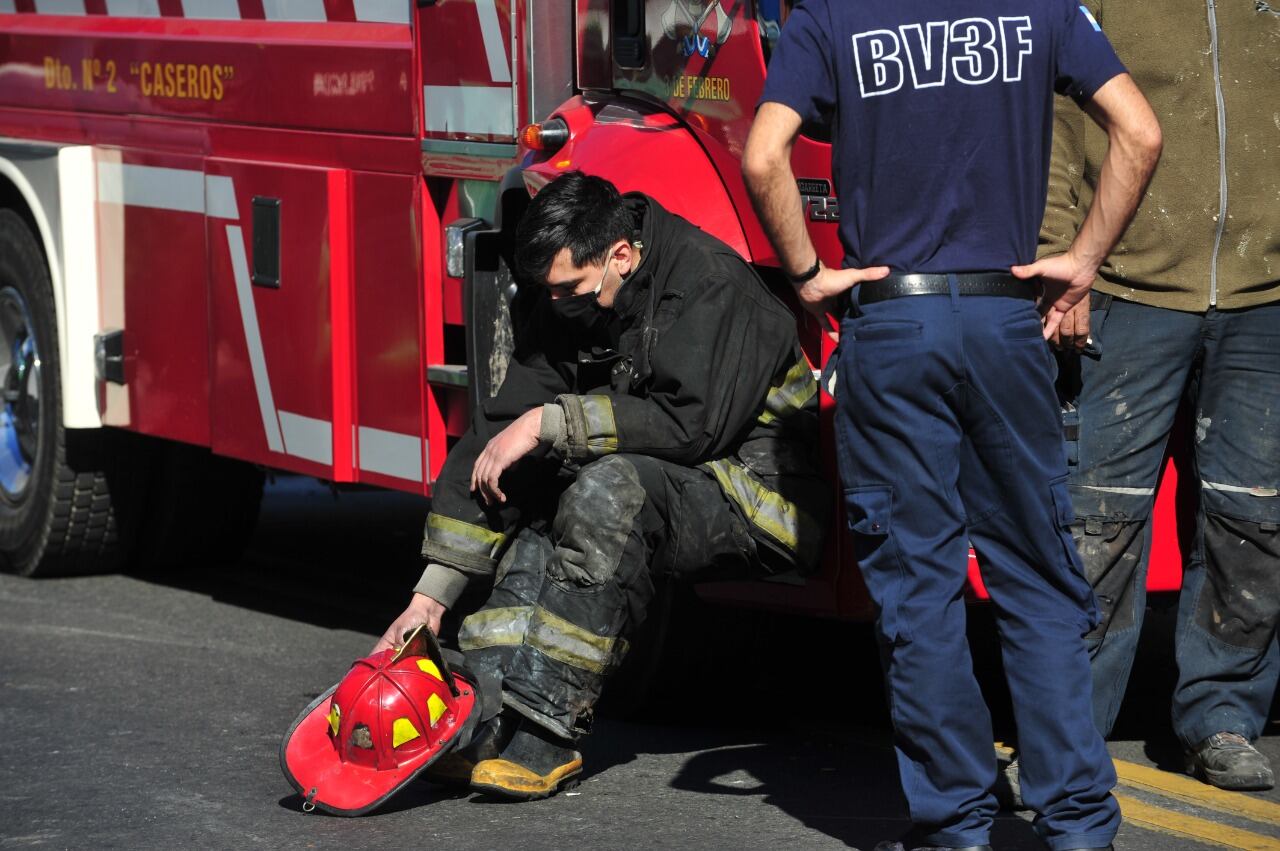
{"x": 1188, "y": 301}
{"x": 658, "y": 418}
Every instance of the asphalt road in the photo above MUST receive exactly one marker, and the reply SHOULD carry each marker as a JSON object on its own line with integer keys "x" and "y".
{"x": 146, "y": 712}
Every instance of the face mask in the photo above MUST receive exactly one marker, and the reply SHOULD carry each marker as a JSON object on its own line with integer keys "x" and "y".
{"x": 583, "y": 313}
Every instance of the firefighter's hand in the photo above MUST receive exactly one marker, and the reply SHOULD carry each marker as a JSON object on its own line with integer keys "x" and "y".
{"x": 820, "y": 294}
{"x": 506, "y": 448}
{"x": 1066, "y": 281}
{"x": 422, "y": 609}
{"x": 1073, "y": 333}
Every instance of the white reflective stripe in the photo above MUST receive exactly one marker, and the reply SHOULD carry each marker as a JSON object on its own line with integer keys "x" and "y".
{"x": 468, "y": 109}
{"x": 383, "y": 11}
{"x": 501, "y": 627}
{"x": 307, "y": 437}
{"x": 294, "y": 10}
{"x": 253, "y": 339}
{"x": 211, "y": 10}
{"x": 220, "y": 197}
{"x": 495, "y": 49}
{"x": 79, "y": 289}
{"x": 177, "y": 189}
{"x": 1254, "y": 491}
{"x": 1127, "y": 491}
{"x": 60, "y": 7}
{"x": 7, "y": 7}
{"x": 133, "y": 8}
{"x": 390, "y": 453}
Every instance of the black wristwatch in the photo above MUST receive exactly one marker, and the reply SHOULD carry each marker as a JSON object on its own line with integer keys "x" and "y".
{"x": 807, "y": 276}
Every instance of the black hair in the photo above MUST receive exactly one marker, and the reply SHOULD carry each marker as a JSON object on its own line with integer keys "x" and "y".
{"x": 577, "y": 211}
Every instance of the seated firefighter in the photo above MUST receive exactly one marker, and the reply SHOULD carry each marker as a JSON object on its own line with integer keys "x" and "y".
{"x": 658, "y": 419}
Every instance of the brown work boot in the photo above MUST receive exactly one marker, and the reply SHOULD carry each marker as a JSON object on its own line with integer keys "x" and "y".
{"x": 455, "y": 767}
{"x": 1229, "y": 761}
{"x": 536, "y": 764}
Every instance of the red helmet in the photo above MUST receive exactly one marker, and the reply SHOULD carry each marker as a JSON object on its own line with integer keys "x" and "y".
{"x": 393, "y": 714}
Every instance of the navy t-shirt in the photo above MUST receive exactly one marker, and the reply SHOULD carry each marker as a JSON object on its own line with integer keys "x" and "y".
{"x": 942, "y": 117}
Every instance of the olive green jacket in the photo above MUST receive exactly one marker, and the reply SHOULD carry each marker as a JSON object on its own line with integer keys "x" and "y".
{"x": 1204, "y": 66}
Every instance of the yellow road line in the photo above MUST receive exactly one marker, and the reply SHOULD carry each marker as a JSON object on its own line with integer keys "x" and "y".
{"x": 1155, "y": 818}
{"x": 1194, "y": 792}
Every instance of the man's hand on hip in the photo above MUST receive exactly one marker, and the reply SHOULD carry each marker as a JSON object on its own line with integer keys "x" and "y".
{"x": 1073, "y": 333}
{"x": 422, "y": 609}
{"x": 820, "y": 294}
{"x": 1066, "y": 282}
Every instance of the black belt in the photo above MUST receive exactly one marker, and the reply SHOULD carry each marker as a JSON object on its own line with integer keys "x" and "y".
{"x": 976, "y": 283}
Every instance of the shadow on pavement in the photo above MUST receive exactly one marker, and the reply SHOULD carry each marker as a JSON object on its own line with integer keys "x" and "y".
{"x": 339, "y": 560}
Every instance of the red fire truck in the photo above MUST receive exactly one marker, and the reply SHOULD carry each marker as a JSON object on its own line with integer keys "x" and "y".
{"x": 247, "y": 234}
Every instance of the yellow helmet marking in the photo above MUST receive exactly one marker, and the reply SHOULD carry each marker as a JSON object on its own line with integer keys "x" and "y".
{"x": 429, "y": 667}
{"x": 436, "y": 707}
{"x": 335, "y": 718}
{"x": 403, "y": 731}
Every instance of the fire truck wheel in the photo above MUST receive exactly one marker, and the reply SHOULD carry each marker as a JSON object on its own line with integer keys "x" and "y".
{"x": 203, "y": 509}
{"x": 64, "y": 495}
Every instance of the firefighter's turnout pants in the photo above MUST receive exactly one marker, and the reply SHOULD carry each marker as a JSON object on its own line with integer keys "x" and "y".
{"x": 949, "y": 432}
{"x": 565, "y": 599}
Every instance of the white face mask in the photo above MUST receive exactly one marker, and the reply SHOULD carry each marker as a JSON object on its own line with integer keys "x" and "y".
{"x": 603, "y": 275}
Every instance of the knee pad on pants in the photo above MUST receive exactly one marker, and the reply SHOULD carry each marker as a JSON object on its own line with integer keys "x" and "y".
{"x": 1239, "y": 602}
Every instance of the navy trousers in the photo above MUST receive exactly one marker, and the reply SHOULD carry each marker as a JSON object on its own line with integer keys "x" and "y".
{"x": 1228, "y": 363}
{"x": 949, "y": 432}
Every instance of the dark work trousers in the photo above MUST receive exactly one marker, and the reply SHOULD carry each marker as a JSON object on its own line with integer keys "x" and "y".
{"x": 1228, "y": 363}
{"x": 566, "y": 599}
{"x": 949, "y": 432}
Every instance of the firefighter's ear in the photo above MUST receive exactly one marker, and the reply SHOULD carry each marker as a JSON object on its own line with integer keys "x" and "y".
{"x": 626, "y": 255}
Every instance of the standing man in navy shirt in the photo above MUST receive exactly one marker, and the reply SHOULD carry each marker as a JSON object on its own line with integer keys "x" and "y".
{"x": 948, "y": 427}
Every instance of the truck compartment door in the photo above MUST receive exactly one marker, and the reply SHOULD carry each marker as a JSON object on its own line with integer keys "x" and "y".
{"x": 316, "y": 324}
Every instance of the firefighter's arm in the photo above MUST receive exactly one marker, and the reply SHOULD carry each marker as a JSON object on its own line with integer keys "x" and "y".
{"x": 766, "y": 168}
{"x": 421, "y": 610}
{"x": 531, "y": 383}
{"x": 462, "y": 538}
{"x": 711, "y": 371}
{"x": 504, "y": 449}
{"x": 466, "y": 531}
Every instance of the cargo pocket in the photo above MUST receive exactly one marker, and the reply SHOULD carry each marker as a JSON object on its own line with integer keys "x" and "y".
{"x": 869, "y": 511}
{"x": 1073, "y": 579}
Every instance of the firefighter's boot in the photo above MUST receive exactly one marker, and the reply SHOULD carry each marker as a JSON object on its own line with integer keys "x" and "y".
{"x": 454, "y": 769}
{"x": 535, "y": 764}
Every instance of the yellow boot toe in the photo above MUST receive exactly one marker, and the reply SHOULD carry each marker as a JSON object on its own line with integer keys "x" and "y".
{"x": 511, "y": 780}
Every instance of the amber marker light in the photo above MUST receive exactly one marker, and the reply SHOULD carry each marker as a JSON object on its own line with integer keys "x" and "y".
{"x": 550, "y": 135}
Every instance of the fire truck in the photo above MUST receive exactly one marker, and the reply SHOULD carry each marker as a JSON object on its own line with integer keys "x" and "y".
{"x": 239, "y": 235}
